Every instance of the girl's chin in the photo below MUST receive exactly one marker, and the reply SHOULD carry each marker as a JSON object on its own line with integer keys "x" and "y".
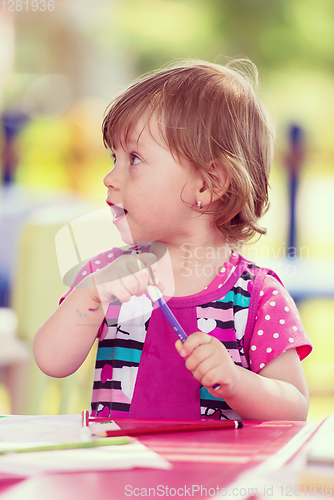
{"x": 124, "y": 230}
{"x": 127, "y": 239}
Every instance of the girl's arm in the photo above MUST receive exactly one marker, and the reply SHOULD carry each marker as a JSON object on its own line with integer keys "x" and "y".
{"x": 277, "y": 392}
{"x": 63, "y": 341}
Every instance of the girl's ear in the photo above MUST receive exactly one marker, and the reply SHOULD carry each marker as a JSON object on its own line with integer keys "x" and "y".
{"x": 215, "y": 186}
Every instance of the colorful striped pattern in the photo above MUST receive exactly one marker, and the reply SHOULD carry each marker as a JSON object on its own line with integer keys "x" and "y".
{"x": 230, "y": 313}
{"x": 121, "y": 344}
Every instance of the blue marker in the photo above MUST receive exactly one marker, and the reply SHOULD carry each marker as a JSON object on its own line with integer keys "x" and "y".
{"x": 156, "y": 296}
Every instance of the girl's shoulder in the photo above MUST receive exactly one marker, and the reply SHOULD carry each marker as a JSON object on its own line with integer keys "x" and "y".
{"x": 267, "y": 291}
{"x": 274, "y": 324}
{"x": 262, "y": 280}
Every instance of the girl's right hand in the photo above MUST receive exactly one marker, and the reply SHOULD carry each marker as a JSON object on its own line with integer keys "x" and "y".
{"x": 126, "y": 276}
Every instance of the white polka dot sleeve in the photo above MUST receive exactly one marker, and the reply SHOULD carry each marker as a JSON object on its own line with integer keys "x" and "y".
{"x": 277, "y": 328}
{"x": 97, "y": 262}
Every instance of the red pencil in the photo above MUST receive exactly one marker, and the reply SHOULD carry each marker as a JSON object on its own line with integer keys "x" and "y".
{"x": 85, "y": 418}
{"x": 100, "y": 420}
{"x": 85, "y": 433}
{"x": 197, "y": 426}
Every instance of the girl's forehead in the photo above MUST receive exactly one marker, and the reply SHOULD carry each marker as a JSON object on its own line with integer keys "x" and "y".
{"x": 143, "y": 130}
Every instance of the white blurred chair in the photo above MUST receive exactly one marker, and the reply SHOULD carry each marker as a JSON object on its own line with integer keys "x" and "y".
{"x": 37, "y": 288}
{"x": 14, "y": 353}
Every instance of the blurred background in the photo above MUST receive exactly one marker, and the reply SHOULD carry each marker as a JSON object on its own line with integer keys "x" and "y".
{"x": 61, "y": 63}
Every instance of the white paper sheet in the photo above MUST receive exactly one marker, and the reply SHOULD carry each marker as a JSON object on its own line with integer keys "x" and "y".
{"x": 40, "y": 429}
{"x": 24, "y": 431}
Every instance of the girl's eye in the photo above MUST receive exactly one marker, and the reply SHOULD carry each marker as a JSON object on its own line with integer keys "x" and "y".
{"x": 135, "y": 159}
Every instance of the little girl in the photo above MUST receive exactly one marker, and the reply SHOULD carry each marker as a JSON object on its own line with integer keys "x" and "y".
{"x": 192, "y": 148}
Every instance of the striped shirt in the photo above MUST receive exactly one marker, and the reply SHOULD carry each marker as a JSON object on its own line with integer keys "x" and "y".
{"x": 139, "y": 373}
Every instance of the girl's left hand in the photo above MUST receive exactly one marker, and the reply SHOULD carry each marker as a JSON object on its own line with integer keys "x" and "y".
{"x": 210, "y": 363}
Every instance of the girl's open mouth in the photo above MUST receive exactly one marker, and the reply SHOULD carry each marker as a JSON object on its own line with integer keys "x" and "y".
{"x": 118, "y": 212}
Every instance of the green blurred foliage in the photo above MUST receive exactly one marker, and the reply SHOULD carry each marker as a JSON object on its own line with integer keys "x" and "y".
{"x": 272, "y": 33}
{"x": 101, "y": 46}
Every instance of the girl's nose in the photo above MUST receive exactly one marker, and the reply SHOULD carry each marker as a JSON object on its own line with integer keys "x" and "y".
{"x": 109, "y": 179}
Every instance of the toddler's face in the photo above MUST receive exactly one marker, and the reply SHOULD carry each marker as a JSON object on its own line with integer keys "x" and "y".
{"x": 150, "y": 193}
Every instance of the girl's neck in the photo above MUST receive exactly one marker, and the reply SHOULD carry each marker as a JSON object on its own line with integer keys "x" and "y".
{"x": 198, "y": 268}
{"x": 195, "y": 266}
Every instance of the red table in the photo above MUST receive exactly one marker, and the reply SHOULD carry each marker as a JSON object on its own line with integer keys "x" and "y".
{"x": 204, "y": 463}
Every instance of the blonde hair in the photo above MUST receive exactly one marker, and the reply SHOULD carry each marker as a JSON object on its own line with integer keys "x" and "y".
{"x": 211, "y": 116}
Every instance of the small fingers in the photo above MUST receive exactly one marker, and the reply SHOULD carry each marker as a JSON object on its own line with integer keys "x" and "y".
{"x": 145, "y": 262}
{"x": 127, "y": 276}
{"x": 178, "y": 345}
{"x": 206, "y": 371}
{"x": 130, "y": 283}
{"x": 199, "y": 356}
{"x": 144, "y": 268}
{"x": 192, "y": 342}
{"x": 205, "y": 357}
{"x": 110, "y": 292}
